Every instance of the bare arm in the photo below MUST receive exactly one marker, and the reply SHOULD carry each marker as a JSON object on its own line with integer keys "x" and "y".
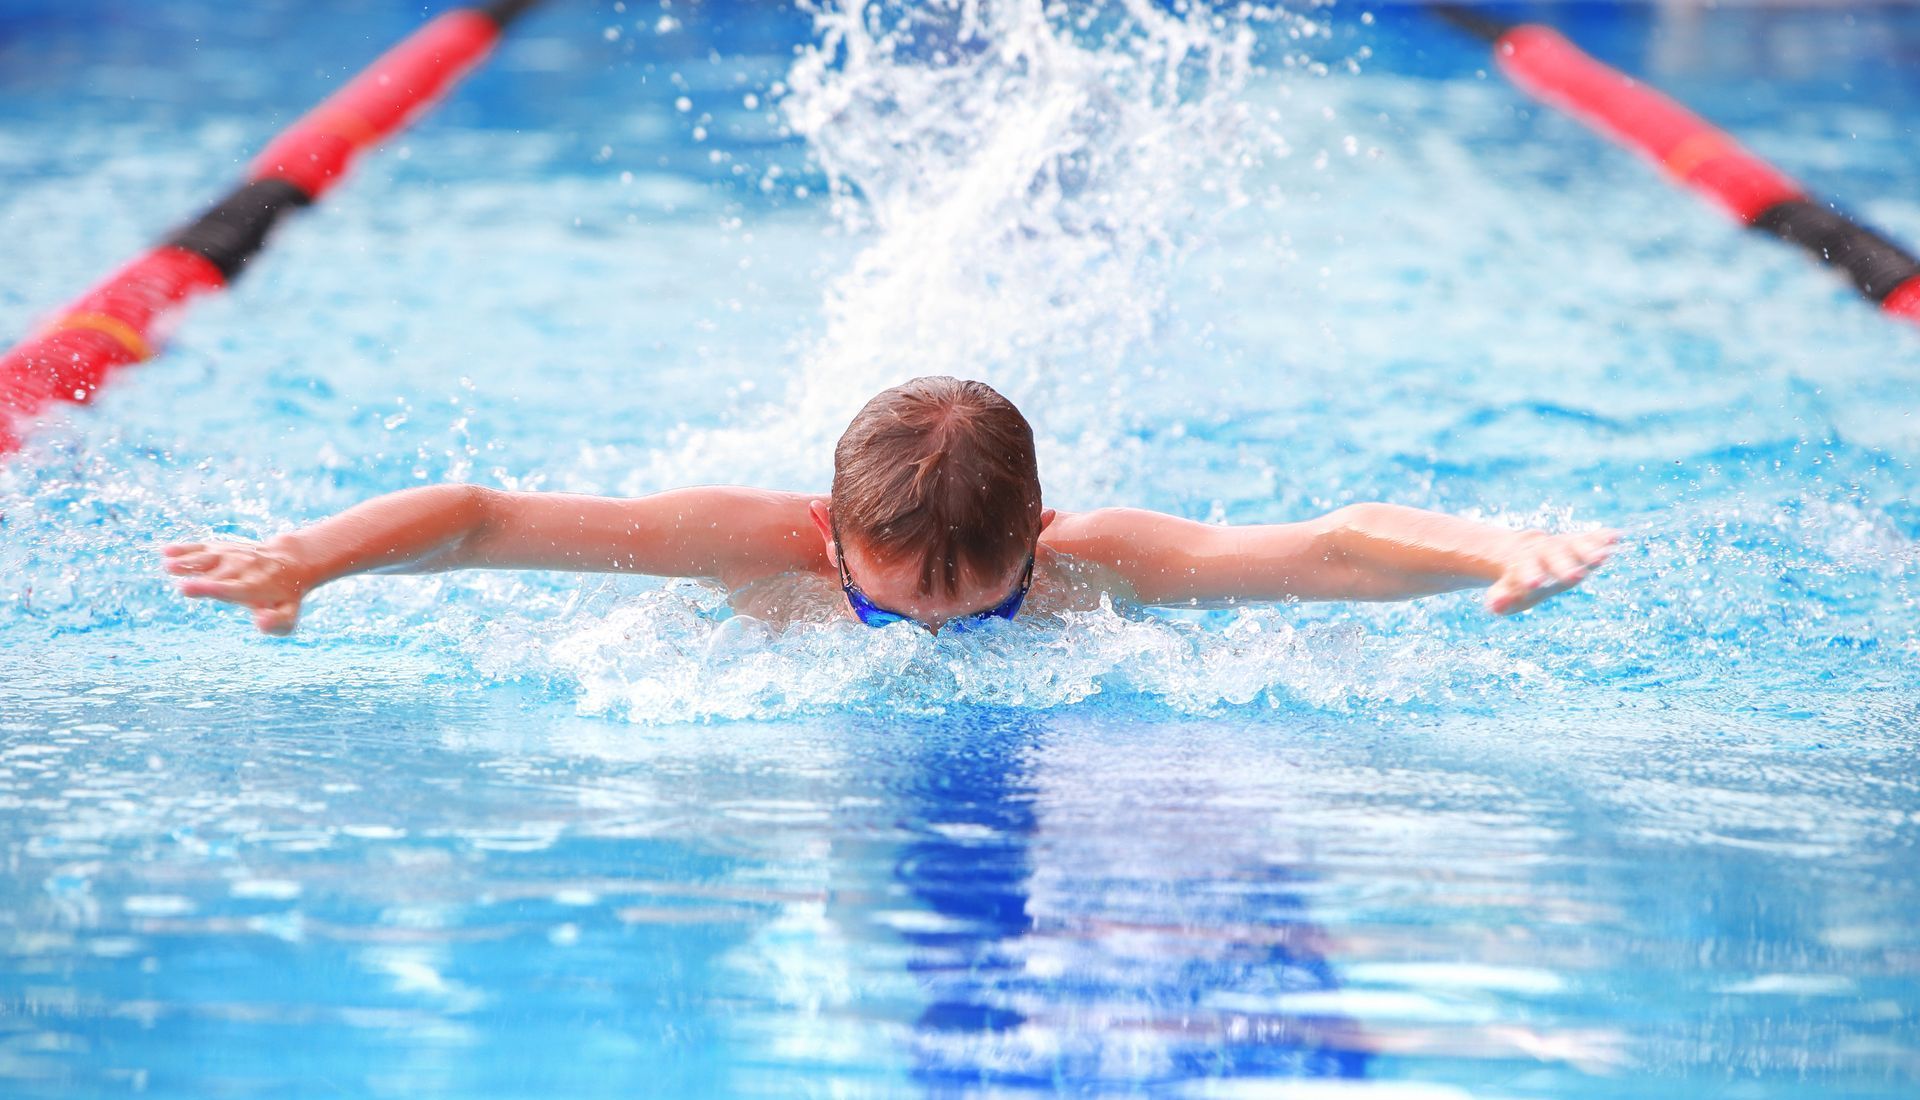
{"x": 1360, "y": 552}
{"x": 712, "y": 531}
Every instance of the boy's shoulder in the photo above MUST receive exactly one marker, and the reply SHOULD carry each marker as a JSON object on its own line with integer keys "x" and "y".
{"x": 1099, "y": 532}
{"x": 745, "y": 532}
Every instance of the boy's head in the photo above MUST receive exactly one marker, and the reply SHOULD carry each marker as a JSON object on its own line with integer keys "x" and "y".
{"x": 936, "y": 497}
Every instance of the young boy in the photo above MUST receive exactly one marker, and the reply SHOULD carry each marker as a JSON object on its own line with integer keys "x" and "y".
{"x": 935, "y": 517}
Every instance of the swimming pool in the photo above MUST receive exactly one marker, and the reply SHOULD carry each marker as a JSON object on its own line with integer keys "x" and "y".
{"x": 515, "y": 835}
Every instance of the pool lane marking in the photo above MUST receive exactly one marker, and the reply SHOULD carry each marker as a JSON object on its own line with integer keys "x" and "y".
{"x": 127, "y": 336}
{"x": 1695, "y": 153}
{"x": 121, "y": 319}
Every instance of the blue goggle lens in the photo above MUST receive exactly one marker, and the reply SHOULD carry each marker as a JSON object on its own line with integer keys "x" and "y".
{"x": 870, "y": 614}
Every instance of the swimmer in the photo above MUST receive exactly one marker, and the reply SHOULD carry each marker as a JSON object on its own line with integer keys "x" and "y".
{"x": 934, "y": 517}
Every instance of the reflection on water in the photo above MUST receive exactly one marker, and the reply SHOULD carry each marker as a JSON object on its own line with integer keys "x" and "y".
{"x": 445, "y": 900}
{"x": 1089, "y": 985}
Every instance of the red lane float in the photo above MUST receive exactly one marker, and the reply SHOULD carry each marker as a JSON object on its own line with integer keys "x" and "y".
{"x": 1905, "y": 300}
{"x": 1690, "y": 149}
{"x": 1695, "y": 154}
{"x": 125, "y": 317}
{"x": 119, "y": 321}
{"x": 316, "y": 151}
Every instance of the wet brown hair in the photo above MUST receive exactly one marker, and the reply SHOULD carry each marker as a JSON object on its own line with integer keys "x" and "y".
{"x": 943, "y": 471}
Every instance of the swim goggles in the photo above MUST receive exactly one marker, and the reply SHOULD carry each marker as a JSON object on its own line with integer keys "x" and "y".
{"x": 873, "y": 614}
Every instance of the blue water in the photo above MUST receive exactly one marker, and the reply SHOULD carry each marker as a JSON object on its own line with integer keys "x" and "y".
{"x": 517, "y": 835}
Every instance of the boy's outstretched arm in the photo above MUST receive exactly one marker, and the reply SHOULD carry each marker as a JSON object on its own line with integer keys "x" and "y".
{"x": 710, "y": 531}
{"x": 1360, "y": 552}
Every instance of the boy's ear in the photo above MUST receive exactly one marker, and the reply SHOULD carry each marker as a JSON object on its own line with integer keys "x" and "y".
{"x": 817, "y": 510}
{"x": 1047, "y": 516}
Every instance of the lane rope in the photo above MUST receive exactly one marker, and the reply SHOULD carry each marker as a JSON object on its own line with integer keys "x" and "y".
{"x": 121, "y": 319}
{"x": 1695, "y": 154}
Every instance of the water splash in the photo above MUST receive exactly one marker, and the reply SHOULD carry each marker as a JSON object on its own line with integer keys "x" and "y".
{"x": 675, "y": 655}
{"x": 1025, "y": 177}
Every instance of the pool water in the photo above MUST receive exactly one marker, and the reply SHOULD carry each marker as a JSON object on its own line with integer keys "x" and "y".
{"x": 536, "y": 834}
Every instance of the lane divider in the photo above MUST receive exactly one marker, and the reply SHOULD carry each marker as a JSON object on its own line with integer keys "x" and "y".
{"x": 1695, "y": 155}
{"x": 124, "y": 318}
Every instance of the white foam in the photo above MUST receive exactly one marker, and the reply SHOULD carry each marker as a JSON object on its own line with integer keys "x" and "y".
{"x": 675, "y": 655}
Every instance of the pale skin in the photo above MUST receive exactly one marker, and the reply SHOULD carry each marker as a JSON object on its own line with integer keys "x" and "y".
{"x": 742, "y": 537}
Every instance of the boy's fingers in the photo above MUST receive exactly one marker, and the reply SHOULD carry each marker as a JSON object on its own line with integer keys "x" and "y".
{"x": 1513, "y": 604}
{"x": 227, "y": 567}
{"x": 1568, "y": 565}
{"x": 1507, "y": 596}
{"x": 1597, "y": 550}
{"x": 1540, "y": 571}
{"x": 276, "y": 618}
{"x": 211, "y": 588}
{"x": 174, "y": 548}
{"x": 192, "y": 563}
{"x": 1555, "y": 564}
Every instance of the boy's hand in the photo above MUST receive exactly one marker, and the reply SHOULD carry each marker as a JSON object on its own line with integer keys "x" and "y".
{"x": 267, "y": 579}
{"x": 1542, "y": 566}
